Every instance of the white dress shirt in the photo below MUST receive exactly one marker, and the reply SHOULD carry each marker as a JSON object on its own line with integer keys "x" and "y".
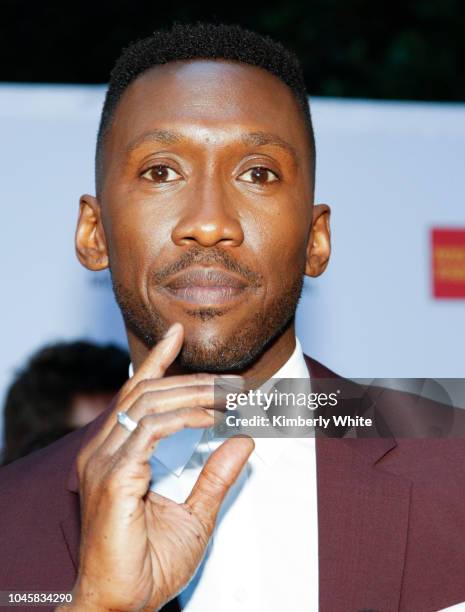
{"x": 263, "y": 555}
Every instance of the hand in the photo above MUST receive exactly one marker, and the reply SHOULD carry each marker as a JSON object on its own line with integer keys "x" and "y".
{"x": 139, "y": 549}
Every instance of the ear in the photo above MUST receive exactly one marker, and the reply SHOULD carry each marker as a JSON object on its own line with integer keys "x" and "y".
{"x": 91, "y": 246}
{"x": 319, "y": 243}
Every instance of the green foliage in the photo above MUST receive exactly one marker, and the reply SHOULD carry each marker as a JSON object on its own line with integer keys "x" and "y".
{"x": 358, "y": 48}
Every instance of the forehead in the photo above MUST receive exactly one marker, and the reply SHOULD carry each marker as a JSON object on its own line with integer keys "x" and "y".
{"x": 215, "y": 96}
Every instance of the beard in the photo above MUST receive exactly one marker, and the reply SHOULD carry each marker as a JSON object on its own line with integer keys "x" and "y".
{"x": 222, "y": 354}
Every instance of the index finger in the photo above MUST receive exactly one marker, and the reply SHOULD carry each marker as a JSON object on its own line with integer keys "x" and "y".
{"x": 155, "y": 365}
{"x": 160, "y": 357}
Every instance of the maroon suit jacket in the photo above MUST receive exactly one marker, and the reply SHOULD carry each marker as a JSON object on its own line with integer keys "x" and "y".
{"x": 391, "y": 517}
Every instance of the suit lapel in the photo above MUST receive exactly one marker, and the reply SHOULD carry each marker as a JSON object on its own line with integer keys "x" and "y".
{"x": 71, "y": 525}
{"x": 70, "y": 528}
{"x": 362, "y": 522}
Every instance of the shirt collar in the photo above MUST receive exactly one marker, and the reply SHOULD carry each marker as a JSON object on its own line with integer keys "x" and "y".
{"x": 175, "y": 452}
{"x": 268, "y": 449}
{"x": 295, "y": 366}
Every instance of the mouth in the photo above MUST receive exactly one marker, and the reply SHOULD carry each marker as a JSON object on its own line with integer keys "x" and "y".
{"x": 206, "y": 287}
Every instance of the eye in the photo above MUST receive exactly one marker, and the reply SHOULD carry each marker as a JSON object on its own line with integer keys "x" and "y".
{"x": 161, "y": 174}
{"x": 259, "y": 175}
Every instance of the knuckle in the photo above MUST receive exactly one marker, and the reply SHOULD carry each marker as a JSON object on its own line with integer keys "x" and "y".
{"x": 149, "y": 401}
{"x": 201, "y": 378}
{"x": 145, "y": 423}
{"x": 183, "y": 416}
{"x": 195, "y": 412}
{"x": 214, "y": 483}
{"x": 204, "y": 393}
{"x": 88, "y": 465}
{"x": 113, "y": 479}
{"x": 111, "y": 485}
{"x": 143, "y": 385}
{"x": 149, "y": 426}
{"x": 94, "y": 469}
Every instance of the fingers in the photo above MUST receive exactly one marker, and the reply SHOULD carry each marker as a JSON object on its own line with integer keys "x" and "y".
{"x": 147, "y": 393}
{"x": 219, "y": 474}
{"x": 161, "y": 384}
{"x": 161, "y": 402}
{"x": 130, "y": 470}
{"x": 159, "y": 358}
{"x": 154, "y": 366}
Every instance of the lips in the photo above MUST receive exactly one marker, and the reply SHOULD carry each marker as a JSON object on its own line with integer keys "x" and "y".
{"x": 206, "y": 287}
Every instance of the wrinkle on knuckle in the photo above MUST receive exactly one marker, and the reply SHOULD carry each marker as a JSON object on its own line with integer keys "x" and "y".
{"x": 188, "y": 412}
{"x": 179, "y": 419}
{"x": 144, "y": 386}
{"x": 110, "y": 485}
{"x": 140, "y": 386}
{"x": 204, "y": 394}
{"x": 91, "y": 467}
{"x": 150, "y": 427}
{"x": 150, "y": 401}
{"x": 145, "y": 423}
{"x": 214, "y": 484}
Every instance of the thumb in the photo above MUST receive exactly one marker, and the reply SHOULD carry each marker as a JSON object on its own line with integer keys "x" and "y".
{"x": 217, "y": 477}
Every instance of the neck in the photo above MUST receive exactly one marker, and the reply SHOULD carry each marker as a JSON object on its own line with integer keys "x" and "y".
{"x": 268, "y": 363}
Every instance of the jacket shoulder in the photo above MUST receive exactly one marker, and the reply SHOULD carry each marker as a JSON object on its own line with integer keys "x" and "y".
{"x": 32, "y": 479}
{"x": 36, "y": 506}
{"x": 318, "y": 370}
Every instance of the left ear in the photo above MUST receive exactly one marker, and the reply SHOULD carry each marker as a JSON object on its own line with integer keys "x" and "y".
{"x": 319, "y": 242}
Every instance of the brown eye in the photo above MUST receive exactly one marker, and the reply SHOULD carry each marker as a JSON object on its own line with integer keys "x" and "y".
{"x": 259, "y": 175}
{"x": 161, "y": 174}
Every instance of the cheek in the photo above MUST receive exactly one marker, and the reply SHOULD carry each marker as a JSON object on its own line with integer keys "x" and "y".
{"x": 280, "y": 247}
{"x": 135, "y": 238}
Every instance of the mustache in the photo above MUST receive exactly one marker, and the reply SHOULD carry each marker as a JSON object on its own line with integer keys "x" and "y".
{"x": 214, "y": 256}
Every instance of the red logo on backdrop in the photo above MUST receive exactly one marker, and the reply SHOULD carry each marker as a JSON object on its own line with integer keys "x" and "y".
{"x": 448, "y": 262}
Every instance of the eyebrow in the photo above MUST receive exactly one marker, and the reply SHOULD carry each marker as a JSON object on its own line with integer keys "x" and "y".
{"x": 166, "y": 137}
{"x": 258, "y": 139}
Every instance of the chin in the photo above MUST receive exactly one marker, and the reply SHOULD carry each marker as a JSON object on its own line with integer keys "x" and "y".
{"x": 214, "y": 356}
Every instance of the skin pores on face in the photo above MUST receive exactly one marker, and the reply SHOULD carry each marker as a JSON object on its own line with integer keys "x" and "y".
{"x": 206, "y": 205}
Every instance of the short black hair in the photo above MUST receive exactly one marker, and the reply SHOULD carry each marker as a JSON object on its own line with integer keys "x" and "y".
{"x": 39, "y": 400}
{"x": 203, "y": 41}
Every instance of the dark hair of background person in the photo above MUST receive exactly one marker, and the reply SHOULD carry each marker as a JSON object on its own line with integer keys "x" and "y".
{"x": 39, "y": 403}
{"x": 410, "y": 50}
{"x": 204, "y": 41}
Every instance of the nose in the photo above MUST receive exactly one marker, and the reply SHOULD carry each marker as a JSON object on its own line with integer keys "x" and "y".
{"x": 209, "y": 218}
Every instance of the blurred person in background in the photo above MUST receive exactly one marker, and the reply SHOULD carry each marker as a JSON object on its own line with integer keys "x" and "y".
{"x": 63, "y": 387}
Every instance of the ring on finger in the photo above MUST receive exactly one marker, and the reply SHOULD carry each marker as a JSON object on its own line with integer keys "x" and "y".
{"x": 126, "y": 422}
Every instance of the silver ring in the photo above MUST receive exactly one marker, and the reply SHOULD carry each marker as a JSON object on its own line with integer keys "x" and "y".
{"x": 125, "y": 421}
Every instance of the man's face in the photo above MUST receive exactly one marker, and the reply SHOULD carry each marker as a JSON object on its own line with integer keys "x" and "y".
{"x": 205, "y": 209}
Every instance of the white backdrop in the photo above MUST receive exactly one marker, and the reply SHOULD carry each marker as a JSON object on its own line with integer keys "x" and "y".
{"x": 391, "y": 171}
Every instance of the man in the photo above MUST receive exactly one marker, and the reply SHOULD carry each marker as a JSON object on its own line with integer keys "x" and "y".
{"x": 62, "y": 387}
{"x": 204, "y": 213}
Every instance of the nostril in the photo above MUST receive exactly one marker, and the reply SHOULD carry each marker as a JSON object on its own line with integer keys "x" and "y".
{"x": 208, "y": 230}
